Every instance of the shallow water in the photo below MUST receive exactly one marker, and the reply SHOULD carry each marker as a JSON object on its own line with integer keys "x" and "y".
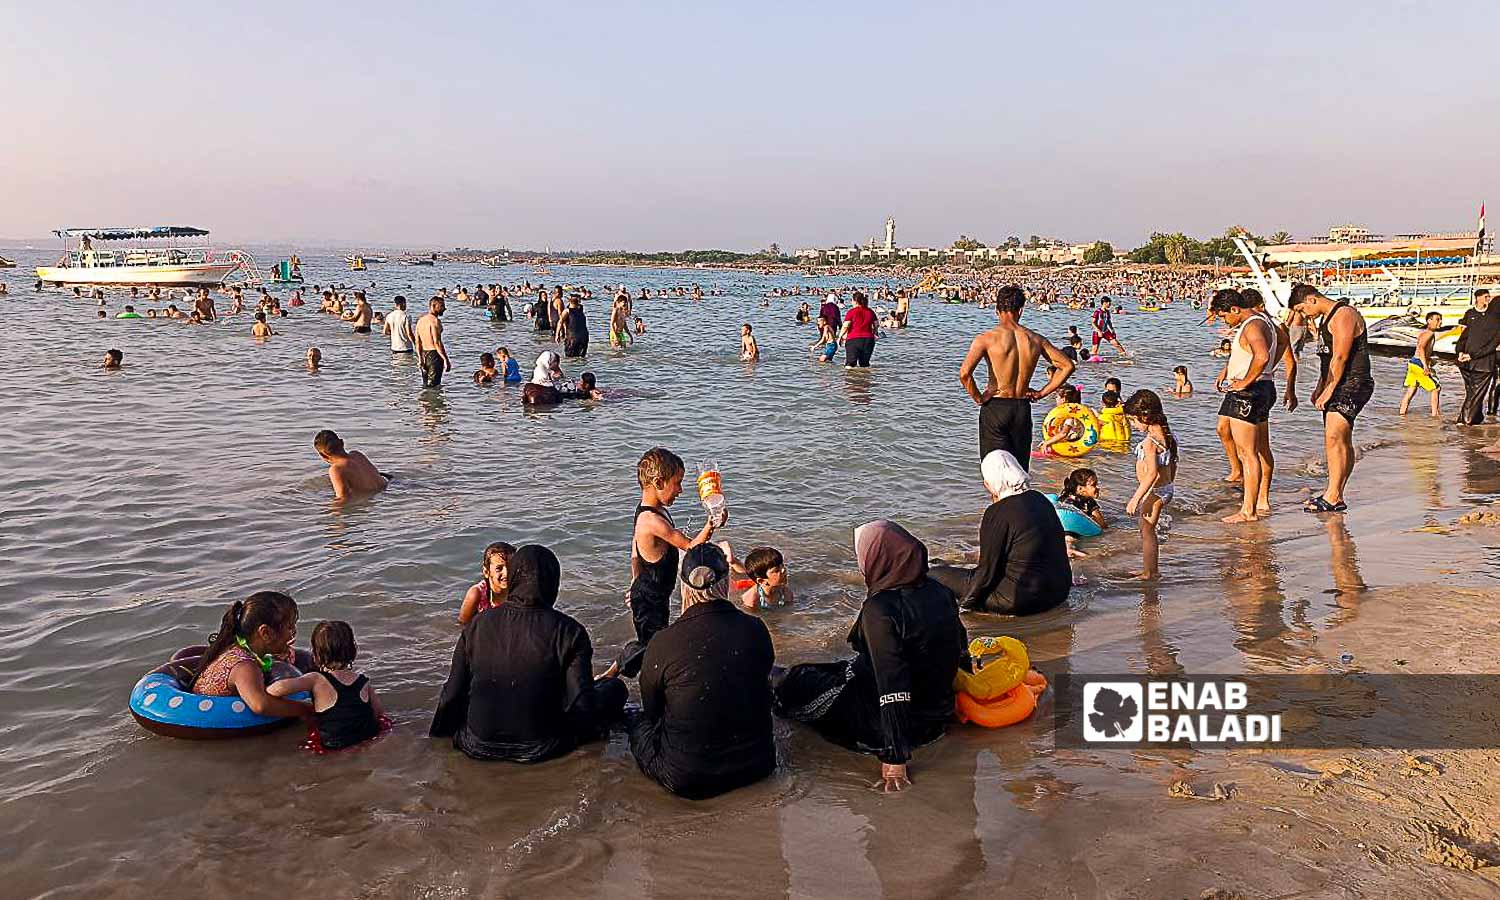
{"x": 139, "y": 503}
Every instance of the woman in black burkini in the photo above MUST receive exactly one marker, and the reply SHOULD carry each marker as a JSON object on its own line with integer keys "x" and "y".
{"x": 896, "y": 694}
{"x": 705, "y": 723}
{"x": 1023, "y": 553}
{"x": 522, "y": 688}
{"x": 575, "y": 329}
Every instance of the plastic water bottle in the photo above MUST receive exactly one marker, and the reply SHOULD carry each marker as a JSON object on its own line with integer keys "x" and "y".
{"x": 711, "y": 492}
{"x": 718, "y": 508}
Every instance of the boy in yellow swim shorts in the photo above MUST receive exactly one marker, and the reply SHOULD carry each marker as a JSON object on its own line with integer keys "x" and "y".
{"x": 1419, "y": 368}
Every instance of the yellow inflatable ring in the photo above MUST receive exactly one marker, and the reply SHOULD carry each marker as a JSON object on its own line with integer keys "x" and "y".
{"x": 1072, "y": 416}
{"x": 1005, "y": 669}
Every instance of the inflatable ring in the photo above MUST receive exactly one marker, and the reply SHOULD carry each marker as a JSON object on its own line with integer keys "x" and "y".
{"x": 1006, "y": 669}
{"x": 1077, "y": 416}
{"x": 1073, "y": 521}
{"x": 1009, "y": 708}
{"x": 161, "y": 706}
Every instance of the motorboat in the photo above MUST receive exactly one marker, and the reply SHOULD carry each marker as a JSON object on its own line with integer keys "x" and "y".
{"x": 146, "y": 263}
{"x": 367, "y": 258}
{"x": 414, "y": 259}
{"x": 1397, "y": 336}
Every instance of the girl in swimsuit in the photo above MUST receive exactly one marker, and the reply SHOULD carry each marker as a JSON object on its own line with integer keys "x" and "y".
{"x": 1155, "y": 471}
{"x": 491, "y": 590}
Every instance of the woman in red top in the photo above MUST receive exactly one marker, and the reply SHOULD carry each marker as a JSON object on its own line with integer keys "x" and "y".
{"x": 858, "y": 333}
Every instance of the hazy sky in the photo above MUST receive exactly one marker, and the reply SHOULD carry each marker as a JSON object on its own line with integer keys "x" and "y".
{"x": 663, "y": 126}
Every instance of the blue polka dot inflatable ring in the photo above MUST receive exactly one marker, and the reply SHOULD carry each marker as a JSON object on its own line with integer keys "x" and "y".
{"x": 161, "y": 706}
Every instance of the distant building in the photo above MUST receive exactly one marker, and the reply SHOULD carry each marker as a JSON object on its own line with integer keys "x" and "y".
{"x": 1051, "y": 250}
{"x": 1349, "y": 234}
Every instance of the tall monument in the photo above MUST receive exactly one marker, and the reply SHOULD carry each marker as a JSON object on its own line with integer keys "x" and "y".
{"x": 890, "y": 233}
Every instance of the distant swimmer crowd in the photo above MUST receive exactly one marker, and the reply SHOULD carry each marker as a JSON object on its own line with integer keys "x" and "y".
{"x": 523, "y": 685}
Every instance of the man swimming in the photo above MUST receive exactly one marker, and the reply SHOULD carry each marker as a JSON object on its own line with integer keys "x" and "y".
{"x": 1012, "y": 352}
{"x": 349, "y": 471}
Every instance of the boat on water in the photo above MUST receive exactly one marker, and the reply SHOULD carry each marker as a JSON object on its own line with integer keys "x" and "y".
{"x": 1397, "y": 336}
{"x": 494, "y": 262}
{"x": 146, "y": 263}
{"x": 288, "y": 271}
{"x": 1381, "y": 280}
{"x": 367, "y": 258}
{"x": 416, "y": 259}
{"x": 7, "y": 263}
{"x": 356, "y": 263}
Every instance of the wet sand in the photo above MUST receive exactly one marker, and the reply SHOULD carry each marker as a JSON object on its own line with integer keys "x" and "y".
{"x": 140, "y": 565}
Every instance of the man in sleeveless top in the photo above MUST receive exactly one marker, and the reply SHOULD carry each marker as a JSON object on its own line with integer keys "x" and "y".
{"x": 654, "y": 549}
{"x": 1344, "y": 386}
{"x": 1249, "y": 392}
{"x": 1012, "y": 352}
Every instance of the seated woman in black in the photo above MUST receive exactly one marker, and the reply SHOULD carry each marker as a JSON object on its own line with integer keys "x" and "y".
{"x": 705, "y": 723}
{"x": 522, "y": 686}
{"x": 896, "y": 694}
{"x": 1023, "y": 552}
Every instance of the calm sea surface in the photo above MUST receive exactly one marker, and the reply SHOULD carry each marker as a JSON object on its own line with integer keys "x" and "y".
{"x": 138, "y": 504}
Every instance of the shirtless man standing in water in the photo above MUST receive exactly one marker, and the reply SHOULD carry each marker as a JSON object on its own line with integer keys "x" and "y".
{"x": 430, "y": 350}
{"x": 1012, "y": 351}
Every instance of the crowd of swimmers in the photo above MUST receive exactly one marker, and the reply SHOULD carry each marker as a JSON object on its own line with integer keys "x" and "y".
{"x": 523, "y": 685}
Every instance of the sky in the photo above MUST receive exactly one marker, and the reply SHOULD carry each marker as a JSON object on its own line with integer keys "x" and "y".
{"x": 659, "y": 126}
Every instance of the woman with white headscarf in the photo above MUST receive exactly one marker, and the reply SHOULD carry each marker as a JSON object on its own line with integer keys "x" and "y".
{"x": 896, "y": 694}
{"x": 547, "y": 381}
{"x": 1023, "y": 553}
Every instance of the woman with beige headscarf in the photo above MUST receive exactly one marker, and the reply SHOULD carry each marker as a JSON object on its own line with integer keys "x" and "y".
{"x": 1023, "y": 553}
{"x": 896, "y": 694}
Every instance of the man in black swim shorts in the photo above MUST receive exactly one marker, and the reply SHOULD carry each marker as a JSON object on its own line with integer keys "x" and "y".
{"x": 1012, "y": 352}
{"x": 1249, "y": 393}
{"x": 1344, "y": 385}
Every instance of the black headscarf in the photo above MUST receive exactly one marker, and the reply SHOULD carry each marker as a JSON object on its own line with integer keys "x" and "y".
{"x": 534, "y": 576}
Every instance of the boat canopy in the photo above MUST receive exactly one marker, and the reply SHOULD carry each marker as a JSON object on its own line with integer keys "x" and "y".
{"x": 1434, "y": 249}
{"x": 129, "y": 234}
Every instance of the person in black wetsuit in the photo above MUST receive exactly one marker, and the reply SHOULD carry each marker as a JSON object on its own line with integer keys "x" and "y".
{"x": 654, "y": 545}
{"x": 705, "y": 724}
{"x": 541, "y": 313}
{"x": 896, "y": 694}
{"x": 1023, "y": 551}
{"x": 1344, "y": 385}
{"x": 575, "y": 329}
{"x": 522, "y": 687}
{"x": 1477, "y": 358}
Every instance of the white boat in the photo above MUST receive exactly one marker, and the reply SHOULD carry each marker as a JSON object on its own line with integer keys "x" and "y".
{"x": 1397, "y": 336}
{"x": 1385, "y": 287}
{"x": 145, "y": 264}
{"x": 367, "y": 258}
{"x": 6, "y": 263}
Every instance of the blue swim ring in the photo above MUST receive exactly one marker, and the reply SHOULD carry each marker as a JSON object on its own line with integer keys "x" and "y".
{"x": 160, "y": 705}
{"x": 1073, "y": 521}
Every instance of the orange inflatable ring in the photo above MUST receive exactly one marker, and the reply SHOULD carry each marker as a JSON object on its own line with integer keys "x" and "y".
{"x": 1014, "y": 706}
{"x": 1007, "y": 709}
